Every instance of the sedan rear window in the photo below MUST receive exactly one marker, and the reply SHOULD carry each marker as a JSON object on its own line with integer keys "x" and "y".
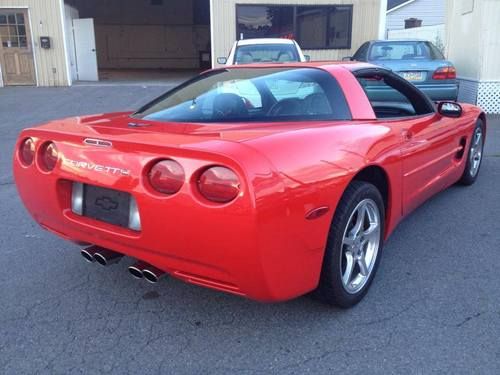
{"x": 252, "y": 94}
{"x": 411, "y": 50}
{"x": 266, "y": 53}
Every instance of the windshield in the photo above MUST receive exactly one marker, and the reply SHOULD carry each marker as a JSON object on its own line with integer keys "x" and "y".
{"x": 252, "y": 94}
{"x": 266, "y": 53}
{"x": 410, "y": 50}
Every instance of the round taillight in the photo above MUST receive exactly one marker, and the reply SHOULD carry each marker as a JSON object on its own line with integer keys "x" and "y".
{"x": 219, "y": 184}
{"x": 27, "y": 151}
{"x": 167, "y": 176}
{"x": 49, "y": 156}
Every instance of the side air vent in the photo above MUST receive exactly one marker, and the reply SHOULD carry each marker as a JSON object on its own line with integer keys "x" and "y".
{"x": 461, "y": 152}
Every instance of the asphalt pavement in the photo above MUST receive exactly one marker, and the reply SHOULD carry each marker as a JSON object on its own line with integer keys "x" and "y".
{"x": 434, "y": 306}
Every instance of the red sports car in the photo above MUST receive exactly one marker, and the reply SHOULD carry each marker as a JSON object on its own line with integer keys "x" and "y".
{"x": 266, "y": 181}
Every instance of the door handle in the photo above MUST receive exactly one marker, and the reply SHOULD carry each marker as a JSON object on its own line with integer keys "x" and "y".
{"x": 93, "y": 49}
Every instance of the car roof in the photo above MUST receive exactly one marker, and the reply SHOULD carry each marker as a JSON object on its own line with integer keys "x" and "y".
{"x": 247, "y": 42}
{"x": 398, "y": 40}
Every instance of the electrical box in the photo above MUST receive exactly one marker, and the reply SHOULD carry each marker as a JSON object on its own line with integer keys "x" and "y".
{"x": 45, "y": 42}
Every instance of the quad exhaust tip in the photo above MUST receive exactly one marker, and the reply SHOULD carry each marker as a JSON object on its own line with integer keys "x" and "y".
{"x": 144, "y": 270}
{"x": 153, "y": 274}
{"x": 100, "y": 255}
{"x": 87, "y": 255}
{"x": 136, "y": 269}
{"x": 139, "y": 270}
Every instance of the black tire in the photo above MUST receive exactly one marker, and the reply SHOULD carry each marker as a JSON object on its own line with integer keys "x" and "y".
{"x": 331, "y": 289}
{"x": 469, "y": 177}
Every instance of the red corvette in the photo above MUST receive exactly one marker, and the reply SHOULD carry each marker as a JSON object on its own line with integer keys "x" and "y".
{"x": 266, "y": 181}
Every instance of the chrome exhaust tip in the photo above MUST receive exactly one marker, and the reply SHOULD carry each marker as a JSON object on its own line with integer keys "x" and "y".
{"x": 153, "y": 274}
{"x": 136, "y": 269}
{"x": 106, "y": 257}
{"x": 89, "y": 253}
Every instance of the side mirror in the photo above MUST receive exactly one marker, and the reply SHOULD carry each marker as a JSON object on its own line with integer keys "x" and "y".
{"x": 221, "y": 60}
{"x": 347, "y": 58}
{"x": 307, "y": 57}
{"x": 450, "y": 109}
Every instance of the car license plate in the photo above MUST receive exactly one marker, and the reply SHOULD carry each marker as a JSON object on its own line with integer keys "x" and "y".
{"x": 110, "y": 206}
{"x": 412, "y": 76}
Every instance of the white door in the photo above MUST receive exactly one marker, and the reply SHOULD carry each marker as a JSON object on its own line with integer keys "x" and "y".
{"x": 86, "y": 57}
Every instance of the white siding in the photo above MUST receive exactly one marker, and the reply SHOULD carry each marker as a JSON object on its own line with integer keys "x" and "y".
{"x": 431, "y": 12}
{"x": 474, "y": 47}
{"x": 365, "y": 24}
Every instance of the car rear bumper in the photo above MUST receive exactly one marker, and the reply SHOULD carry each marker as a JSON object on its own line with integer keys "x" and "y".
{"x": 440, "y": 91}
{"x": 241, "y": 247}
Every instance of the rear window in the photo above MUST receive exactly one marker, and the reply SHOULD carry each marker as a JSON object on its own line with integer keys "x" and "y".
{"x": 266, "y": 53}
{"x": 404, "y": 51}
{"x": 252, "y": 94}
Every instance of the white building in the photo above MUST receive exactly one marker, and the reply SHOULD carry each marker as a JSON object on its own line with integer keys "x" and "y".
{"x": 57, "y": 42}
{"x": 473, "y": 44}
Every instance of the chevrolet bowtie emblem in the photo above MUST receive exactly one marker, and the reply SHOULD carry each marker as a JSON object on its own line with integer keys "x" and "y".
{"x": 106, "y": 203}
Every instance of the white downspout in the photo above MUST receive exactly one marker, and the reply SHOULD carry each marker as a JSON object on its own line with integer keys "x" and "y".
{"x": 382, "y": 23}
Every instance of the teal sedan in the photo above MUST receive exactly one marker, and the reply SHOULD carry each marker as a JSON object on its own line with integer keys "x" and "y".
{"x": 418, "y": 61}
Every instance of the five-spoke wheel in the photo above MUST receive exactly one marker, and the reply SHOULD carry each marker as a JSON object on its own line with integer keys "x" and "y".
{"x": 475, "y": 155}
{"x": 360, "y": 245}
{"x": 354, "y": 245}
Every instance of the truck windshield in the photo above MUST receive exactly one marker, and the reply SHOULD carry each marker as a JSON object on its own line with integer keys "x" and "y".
{"x": 252, "y": 94}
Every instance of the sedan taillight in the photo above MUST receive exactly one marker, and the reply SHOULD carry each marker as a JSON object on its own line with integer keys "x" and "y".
{"x": 219, "y": 184}
{"x": 167, "y": 177}
{"x": 27, "y": 151}
{"x": 445, "y": 72}
{"x": 48, "y": 156}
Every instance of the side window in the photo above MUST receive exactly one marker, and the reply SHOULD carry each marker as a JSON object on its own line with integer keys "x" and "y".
{"x": 361, "y": 53}
{"x": 392, "y": 97}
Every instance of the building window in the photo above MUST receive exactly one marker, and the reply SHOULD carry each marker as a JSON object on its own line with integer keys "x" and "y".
{"x": 314, "y": 27}
{"x": 256, "y": 21}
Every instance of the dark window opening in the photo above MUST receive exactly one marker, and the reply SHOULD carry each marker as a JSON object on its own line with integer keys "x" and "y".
{"x": 314, "y": 27}
{"x": 392, "y": 96}
{"x": 201, "y": 12}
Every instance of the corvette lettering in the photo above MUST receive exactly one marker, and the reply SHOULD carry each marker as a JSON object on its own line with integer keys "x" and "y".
{"x": 97, "y": 167}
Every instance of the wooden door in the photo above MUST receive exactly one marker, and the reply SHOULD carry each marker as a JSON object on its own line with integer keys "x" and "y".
{"x": 16, "y": 53}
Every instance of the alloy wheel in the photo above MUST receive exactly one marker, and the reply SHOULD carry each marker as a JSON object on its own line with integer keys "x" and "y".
{"x": 360, "y": 245}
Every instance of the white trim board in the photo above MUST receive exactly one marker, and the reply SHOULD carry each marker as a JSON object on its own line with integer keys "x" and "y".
{"x": 65, "y": 43}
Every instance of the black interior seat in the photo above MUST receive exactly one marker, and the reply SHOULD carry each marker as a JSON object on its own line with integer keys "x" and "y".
{"x": 317, "y": 104}
{"x": 287, "y": 107}
{"x": 229, "y": 105}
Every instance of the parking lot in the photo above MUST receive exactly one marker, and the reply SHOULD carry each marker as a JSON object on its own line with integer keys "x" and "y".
{"x": 434, "y": 305}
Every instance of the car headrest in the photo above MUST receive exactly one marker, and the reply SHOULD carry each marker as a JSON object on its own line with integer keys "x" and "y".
{"x": 229, "y": 105}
